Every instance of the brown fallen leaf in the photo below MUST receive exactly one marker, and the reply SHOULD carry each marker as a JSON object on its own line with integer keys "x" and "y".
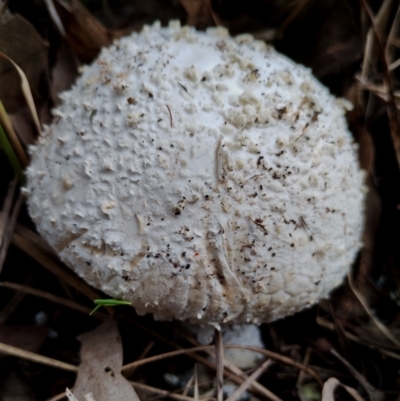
{"x": 20, "y": 41}
{"x": 5, "y": 14}
{"x": 64, "y": 72}
{"x": 199, "y": 13}
{"x": 100, "y": 370}
{"x": 15, "y": 387}
{"x": 85, "y": 34}
{"x": 29, "y": 338}
{"x": 24, "y": 126}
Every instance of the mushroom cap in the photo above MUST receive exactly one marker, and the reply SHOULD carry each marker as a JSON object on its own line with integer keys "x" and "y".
{"x": 201, "y": 177}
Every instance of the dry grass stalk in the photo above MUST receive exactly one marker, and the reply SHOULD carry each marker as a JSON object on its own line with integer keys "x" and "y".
{"x": 374, "y": 394}
{"x": 219, "y": 356}
{"x": 231, "y": 371}
{"x": 376, "y": 26}
{"x": 7, "y": 206}
{"x": 9, "y": 230}
{"x": 196, "y": 384}
{"x": 382, "y": 328}
{"x": 331, "y": 326}
{"x": 13, "y": 137}
{"x": 10, "y": 307}
{"x": 164, "y": 393}
{"x": 146, "y": 350}
{"x": 306, "y": 361}
{"x": 54, "y": 266}
{"x": 34, "y": 238}
{"x": 247, "y": 383}
{"x": 58, "y": 397}
{"x": 26, "y": 90}
{"x": 52, "y": 298}
{"x": 33, "y": 357}
{"x": 273, "y": 355}
{"x": 297, "y": 6}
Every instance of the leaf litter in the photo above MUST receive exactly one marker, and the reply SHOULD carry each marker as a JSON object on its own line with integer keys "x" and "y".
{"x": 20, "y": 42}
{"x": 99, "y": 373}
{"x": 361, "y": 320}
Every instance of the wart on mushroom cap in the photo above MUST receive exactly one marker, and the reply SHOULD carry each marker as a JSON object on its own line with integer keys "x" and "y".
{"x": 201, "y": 177}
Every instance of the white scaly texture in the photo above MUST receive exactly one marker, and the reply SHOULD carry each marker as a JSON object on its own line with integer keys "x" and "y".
{"x": 201, "y": 177}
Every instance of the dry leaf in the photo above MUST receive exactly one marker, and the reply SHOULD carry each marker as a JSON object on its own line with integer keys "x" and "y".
{"x": 5, "y": 14}
{"x": 24, "y": 126}
{"x": 329, "y": 389}
{"x": 99, "y": 371}
{"x": 85, "y": 33}
{"x": 199, "y": 13}
{"x": 20, "y": 41}
{"x": 29, "y": 338}
{"x": 64, "y": 72}
{"x": 71, "y": 396}
{"x": 15, "y": 387}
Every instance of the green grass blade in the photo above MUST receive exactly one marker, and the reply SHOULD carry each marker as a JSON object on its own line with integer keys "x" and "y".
{"x": 94, "y": 310}
{"x": 5, "y": 145}
{"x": 108, "y": 302}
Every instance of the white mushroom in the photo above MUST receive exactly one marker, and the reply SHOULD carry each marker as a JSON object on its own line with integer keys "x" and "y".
{"x": 201, "y": 177}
